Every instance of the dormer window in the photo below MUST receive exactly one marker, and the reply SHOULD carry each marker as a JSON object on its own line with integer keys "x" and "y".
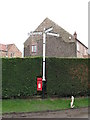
{"x": 34, "y": 48}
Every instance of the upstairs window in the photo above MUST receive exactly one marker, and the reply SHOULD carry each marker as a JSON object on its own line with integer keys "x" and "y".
{"x": 34, "y": 48}
{"x": 85, "y": 51}
{"x": 78, "y": 47}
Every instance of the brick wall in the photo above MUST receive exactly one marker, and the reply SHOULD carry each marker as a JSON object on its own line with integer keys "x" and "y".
{"x": 81, "y": 51}
{"x": 2, "y": 53}
{"x": 14, "y": 51}
{"x": 55, "y": 47}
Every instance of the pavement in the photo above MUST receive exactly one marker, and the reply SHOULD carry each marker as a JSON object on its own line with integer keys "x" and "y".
{"x": 69, "y": 113}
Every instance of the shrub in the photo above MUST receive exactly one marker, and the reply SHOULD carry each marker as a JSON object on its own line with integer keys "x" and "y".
{"x": 19, "y": 76}
{"x": 65, "y": 76}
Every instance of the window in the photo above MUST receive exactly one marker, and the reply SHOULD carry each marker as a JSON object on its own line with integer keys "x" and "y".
{"x": 12, "y": 55}
{"x": 85, "y": 51}
{"x": 6, "y": 54}
{"x": 77, "y": 46}
{"x": 34, "y": 48}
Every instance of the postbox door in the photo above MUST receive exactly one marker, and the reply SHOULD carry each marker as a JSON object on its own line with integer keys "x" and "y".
{"x": 39, "y": 84}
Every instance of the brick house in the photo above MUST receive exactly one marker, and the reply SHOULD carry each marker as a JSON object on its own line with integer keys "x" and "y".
{"x": 63, "y": 46}
{"x": 82, "y": 50}
{"x": 9, "y": 50}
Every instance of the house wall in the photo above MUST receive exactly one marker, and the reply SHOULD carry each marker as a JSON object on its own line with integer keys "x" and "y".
{"x": 27, "y": 51}
{"x": 14, "y": 51}
{"x": 11, "y": 50}
{"x": 64, "y": 46}
{"x": 55, "y": 47}
{"x": 81, "y": 51}
{"x": 2, "y": 53}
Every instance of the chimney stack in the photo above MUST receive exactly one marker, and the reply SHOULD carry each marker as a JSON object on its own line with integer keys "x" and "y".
{"x": 75, "y": 35}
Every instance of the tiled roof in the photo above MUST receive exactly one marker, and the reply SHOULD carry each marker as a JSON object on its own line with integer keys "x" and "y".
{"x": 47, "y": 23}
{"x": 3, "y": 47}
{"x": 81, "y": 43}
{"x": 9, "y": 46}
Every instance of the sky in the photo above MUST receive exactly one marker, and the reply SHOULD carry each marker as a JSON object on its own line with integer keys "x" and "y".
{"x": 19, "y": 17}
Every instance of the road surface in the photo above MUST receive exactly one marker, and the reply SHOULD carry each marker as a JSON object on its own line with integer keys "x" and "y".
{"x": 69, "y": 113}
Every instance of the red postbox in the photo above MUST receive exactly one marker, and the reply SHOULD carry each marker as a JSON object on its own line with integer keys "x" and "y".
{"x": 39, "y": 84}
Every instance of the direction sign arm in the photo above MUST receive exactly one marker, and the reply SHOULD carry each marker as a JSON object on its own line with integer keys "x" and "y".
{"x": 48, "y": 30}
{"x": 36, "y": 33}
{"x": 53, "y": 34}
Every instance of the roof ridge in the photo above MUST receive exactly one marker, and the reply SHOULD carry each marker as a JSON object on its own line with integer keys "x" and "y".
{"x": 56, "y": 28}
{"x": 59, "y": 26}
{"x": 2, "y": 44}
{"x": 53, "y": 23}
{"x": 10, "y": 44}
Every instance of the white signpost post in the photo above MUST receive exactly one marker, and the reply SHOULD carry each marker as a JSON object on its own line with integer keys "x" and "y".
{"x": 44, "y": 33}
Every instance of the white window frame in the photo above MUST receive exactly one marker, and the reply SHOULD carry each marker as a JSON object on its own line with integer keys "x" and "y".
{"x": 78, "y": 48}
{"x": 34, "y": 48}
{"x": 85, "y": 51}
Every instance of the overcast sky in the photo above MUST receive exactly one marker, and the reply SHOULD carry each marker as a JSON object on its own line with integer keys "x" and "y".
{"x": 18, "y": 17}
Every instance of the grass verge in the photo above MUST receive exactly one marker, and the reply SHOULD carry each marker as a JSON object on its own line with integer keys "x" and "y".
{"x": 30, "y": 105}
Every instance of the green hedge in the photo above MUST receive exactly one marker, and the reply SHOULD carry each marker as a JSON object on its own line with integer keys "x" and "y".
{"x": 19, "y": 76}
{"x": 89, "y": 76}
{"x": 65, "y": 76}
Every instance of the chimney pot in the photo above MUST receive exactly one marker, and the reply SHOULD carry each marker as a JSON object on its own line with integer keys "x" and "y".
{"x": 75, "y": 35}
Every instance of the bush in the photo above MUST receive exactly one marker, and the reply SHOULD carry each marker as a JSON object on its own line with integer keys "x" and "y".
{"x": 65, "y": 76}
{"x": 19, "y": 76}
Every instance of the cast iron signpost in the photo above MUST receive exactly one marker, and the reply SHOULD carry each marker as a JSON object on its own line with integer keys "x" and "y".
{"x": 44, "y": 33}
